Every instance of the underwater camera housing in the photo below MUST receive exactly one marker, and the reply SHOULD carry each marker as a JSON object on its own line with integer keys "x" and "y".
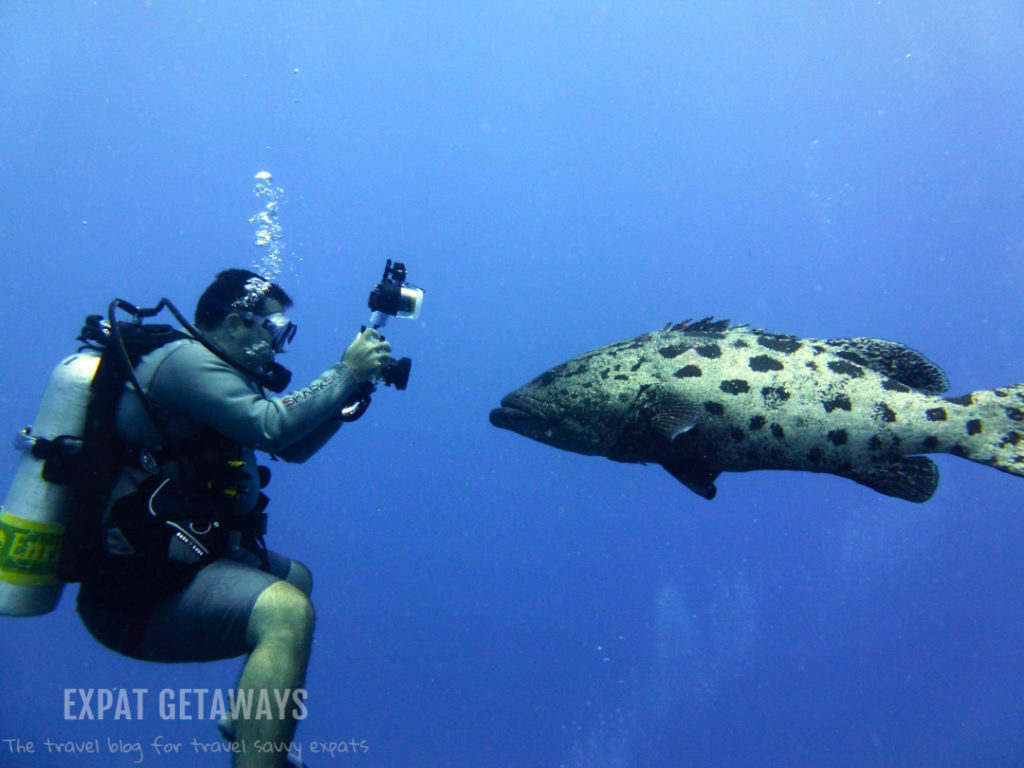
{"x": 394, "y": 297}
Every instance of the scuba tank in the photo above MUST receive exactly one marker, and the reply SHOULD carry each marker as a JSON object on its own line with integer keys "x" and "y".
{"x": 38, "y": 505}
{"x": 51, "y": 529}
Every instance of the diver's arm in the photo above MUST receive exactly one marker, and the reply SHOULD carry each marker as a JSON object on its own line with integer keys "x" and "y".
{"x": 363, "y": 358}
{"x": 193, "y": 381}
{"x": 301, "y": 450}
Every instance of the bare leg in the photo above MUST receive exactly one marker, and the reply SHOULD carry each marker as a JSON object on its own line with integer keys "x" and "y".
{"x": 280, "y": 632}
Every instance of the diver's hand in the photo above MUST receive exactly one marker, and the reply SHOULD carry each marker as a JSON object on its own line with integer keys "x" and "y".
{"x": 367, "y": 355}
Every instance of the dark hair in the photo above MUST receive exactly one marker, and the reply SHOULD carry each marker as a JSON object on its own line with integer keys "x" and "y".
{"x": 236, "y": 290}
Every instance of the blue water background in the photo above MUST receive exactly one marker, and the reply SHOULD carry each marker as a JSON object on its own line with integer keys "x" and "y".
{"x": 558, "y": 175}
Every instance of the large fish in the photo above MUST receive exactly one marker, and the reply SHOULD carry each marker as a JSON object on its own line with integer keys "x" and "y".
{"x": 705, "y": 397}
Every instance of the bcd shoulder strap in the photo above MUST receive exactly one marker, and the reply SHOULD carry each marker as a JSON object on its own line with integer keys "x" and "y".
{"x": 102, "y": 455}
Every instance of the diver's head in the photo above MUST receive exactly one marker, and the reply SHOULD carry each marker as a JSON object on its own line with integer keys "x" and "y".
{"x": 243, "y": 314}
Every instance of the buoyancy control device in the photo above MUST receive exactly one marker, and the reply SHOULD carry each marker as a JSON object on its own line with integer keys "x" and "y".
{"x": 51, "y": 521}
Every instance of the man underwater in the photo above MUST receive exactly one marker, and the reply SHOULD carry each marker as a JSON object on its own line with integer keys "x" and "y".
{"x": 185, "y": 576}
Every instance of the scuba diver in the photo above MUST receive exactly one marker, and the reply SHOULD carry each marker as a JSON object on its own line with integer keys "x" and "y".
{"x": 184, "y": 575}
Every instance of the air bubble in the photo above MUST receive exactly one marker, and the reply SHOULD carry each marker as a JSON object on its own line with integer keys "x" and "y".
{"x": 268, "y": 233}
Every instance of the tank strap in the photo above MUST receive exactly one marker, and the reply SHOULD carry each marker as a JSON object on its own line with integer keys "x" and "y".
{"x": 59, "y": 455}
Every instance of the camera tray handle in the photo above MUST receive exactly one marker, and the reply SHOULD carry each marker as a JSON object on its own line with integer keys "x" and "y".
{"x": 356, "y": 405}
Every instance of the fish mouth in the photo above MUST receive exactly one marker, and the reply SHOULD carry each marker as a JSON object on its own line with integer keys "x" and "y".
{"x": 519, "y": 414}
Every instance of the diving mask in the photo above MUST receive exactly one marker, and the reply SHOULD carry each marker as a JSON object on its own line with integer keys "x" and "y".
{"x": 281, "y": 329}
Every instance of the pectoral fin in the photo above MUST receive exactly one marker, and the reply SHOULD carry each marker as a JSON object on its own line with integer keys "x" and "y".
{"x": 674, "y": 416}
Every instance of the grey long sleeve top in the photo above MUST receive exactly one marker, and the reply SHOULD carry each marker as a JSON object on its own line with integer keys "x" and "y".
{"x": 191, "y": 387}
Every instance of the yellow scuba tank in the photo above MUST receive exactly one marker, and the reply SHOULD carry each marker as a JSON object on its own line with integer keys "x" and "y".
{"x": 34, "y": 514}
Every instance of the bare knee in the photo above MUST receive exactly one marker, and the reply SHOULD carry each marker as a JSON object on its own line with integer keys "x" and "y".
{"x": 300, "y": 576}
{"x": 282, "y": 611}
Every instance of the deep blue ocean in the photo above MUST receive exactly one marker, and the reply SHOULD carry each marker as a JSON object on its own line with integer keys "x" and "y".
{"x": 557, "y": 176}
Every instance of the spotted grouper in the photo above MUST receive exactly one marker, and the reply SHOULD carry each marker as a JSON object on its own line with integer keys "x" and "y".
{"x": 702, "y": 398}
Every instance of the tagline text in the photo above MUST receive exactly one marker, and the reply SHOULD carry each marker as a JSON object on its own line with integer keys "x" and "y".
{"x": 137, "y": 751}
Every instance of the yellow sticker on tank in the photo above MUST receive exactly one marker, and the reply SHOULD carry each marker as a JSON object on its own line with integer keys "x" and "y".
{"x": 29, "y": 550}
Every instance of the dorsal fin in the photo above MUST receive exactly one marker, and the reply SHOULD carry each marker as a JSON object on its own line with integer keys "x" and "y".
{"x": 704, "y": 325}
{"x": 895, "y": 360}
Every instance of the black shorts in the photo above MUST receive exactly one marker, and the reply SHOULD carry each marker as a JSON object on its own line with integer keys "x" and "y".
{"x": 199, "y": 617}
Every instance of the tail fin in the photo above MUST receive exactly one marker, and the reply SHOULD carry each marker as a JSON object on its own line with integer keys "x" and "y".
{"x": 995, "y": 430}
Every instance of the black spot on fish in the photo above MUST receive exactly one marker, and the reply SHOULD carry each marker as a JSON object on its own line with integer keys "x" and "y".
{"x": 814, "y": 455}
{"x": 875, "y": 443}
{"x": 936, "y": 414}
{"x": 812, "y": 365}
{"x": 672, "y": 350}
{"x": 1001, "y": 393}
{"x": 1015, "y": 414}
{"x": 894, "y": 386}
{"x": 547, "y": 377}
{"x": 778, "y": 432}
{"x": 734, "y": 386}
{"x": 621, "y": 377}
{"x": 1010, "y": 438}
{"x": 958, "y": 450}
{"x": 774, "y": 396}
{"x": 962, "y": 400}
{"x": 588, "y": 384}
{"x": 884, "y": 413}
{"x": 818, "y": 349}
{"x": 931, "y": 442}
{"x": 838, "y": 437}
{"x": 758, "y": 422}
{"x": 716, "y": 409}
{"x": 839, "y": 402}
{"x": 580, "y": 370}
{"x": 604, "y": 373}
{"x": 688, "y": 371}
{"x": 711, "y": 351}
{"x": 785, "y": 344}
{"x": 974, "y": 427}
{"x": 737, "y": 434}
{"x": 740, "y": 344}
{"x": 636, "y": 366}
{"x": 853, "y": 357}
{"x": 762, "y": 363}
{"x": 844, "y": 368}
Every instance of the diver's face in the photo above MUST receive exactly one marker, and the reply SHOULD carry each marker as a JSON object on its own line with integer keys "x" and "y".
{"x": 248, "y": 343}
